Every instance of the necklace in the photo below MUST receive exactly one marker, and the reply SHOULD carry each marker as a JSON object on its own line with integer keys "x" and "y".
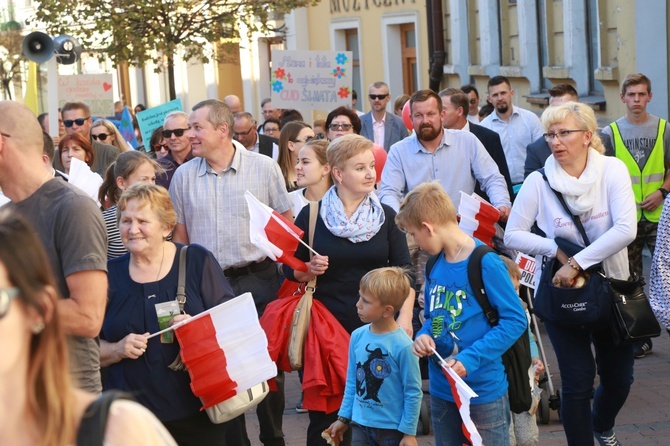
{"x": 460, "y": 249}
{"x": 161, "y": 267}
{"x": 49, "y": 174}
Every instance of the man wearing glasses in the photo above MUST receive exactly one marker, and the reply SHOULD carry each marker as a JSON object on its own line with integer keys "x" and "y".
{"x": 473, "y": 103}
{"x": 384, "y": 129}
{"x": 244, "y": 132}
{"x": 77, "y": 119}
{"x": 175, "y": 130}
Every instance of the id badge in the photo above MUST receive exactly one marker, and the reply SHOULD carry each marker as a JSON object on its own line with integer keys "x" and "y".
{"x": 165, "y": 312}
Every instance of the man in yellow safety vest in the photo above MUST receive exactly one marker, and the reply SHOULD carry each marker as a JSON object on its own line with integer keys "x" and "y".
{"x": 642, "y": 142}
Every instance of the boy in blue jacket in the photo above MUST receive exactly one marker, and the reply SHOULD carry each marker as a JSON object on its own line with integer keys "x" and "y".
{"x": 455, "y": 323}
{"x": 382, "y": 396}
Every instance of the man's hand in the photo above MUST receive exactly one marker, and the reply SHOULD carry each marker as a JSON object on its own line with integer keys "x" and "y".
{"x": 504, "y": 213}
{"x": 653, "y": 200}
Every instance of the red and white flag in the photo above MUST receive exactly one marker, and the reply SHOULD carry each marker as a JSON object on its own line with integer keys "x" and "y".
{"x": 225, "y": 350}
{"x": 478, "y": 217}
{"x": 273, "y": 234}
{"x": 462, "y": 394}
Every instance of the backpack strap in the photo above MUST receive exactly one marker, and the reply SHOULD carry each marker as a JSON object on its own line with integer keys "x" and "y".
{"x": 181, "y": 284}
{"x": 477, "y": 284}
{"x": 92, "y": 427}
{"x": 430, "y": 264}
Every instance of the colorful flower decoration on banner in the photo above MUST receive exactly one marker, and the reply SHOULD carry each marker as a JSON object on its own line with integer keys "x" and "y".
{"x": 339, "y": 72}
{"x": 344, "y": 92}
{"x": 341, "y": 58}
{"x": 277, "y": 86}
{"x": 280, "y": 73}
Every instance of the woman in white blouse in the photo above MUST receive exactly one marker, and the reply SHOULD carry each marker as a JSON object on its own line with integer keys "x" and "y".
{"x": 598, "y": 190}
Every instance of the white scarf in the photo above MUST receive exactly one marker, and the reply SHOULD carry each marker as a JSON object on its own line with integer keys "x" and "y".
{"x": 364, "y": 224}
{"x": 579, "y": 193}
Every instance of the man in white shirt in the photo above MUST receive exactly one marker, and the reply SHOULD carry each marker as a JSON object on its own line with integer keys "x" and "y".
{"x": 473, "y": 102}
{"x": 245, "y": 132}
{"x": 516, "y": 126}
{"x": 384, "y": 129}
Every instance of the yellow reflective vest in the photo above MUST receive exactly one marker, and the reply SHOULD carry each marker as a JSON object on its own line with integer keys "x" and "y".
{"x": 650, "y": 179}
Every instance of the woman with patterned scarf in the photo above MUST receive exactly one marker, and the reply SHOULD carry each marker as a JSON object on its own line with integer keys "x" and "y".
{"x": 354, "y": 234}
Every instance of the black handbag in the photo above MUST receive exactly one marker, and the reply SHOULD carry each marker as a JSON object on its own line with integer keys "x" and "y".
{"x": 589, "y": 306}
{"x": 633, "y": 319}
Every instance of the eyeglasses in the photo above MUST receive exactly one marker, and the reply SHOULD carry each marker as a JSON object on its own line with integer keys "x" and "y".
{"x": 473, "y": 101}
{"x": 177, "y": 132}
{"x": 308, "y": 139}
{"x": 336, "y": 127}
{"x": 6, "y": 296}
{"x": 159, "y": 147}
{"x": 243, "y": 133}
{"x": 561, "y": 134}
{"x": 80, "y": 121}
{"x": 319, "y": 136}
{"x": 102, "y": 136}
{"x": 378, "y": 96}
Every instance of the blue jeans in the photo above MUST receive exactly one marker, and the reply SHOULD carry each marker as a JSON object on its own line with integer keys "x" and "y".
{"x": 578, "y": 367}
{"x": 491, "y": 419}
{"x": 372, "y": 436}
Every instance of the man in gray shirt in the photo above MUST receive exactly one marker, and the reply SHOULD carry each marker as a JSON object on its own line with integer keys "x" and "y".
{"x": 72, "y": 231}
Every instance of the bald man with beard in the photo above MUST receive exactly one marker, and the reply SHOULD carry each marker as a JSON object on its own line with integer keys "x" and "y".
{"x": 72, "y": 231}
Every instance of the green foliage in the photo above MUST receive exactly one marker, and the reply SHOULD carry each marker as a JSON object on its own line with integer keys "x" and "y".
{"x": 137, "y": 31}
{"x": 11, "y": 56}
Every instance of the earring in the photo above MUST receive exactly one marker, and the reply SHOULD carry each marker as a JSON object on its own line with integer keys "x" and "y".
{"x": 38, "y": 327}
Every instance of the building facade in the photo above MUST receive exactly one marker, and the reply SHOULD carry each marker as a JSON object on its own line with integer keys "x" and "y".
{"x": 591, "y": 44}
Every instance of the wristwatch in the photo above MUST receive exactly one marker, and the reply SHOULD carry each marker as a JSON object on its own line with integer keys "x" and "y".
{"x": 664, "y": 192}
{"x": 344, "y": 420}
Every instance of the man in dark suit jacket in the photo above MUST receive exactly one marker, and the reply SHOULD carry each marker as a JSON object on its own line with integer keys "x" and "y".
{"x": 538, "y": 151}
{"x": 455, "y": 117}
{"x": 245, "y": 132}
{"x": 379, "y": 121}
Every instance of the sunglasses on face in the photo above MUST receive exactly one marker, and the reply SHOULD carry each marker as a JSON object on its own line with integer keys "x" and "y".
{"x": 79, "y": 121}
{"x": 378, "y": 96}
{"x": 101, "y": 136}
{"x": 337, "y": 127}
{"x": 177, "y": 132}
{"x": 6, "y": 296}
{"x": 159, "y": 147}
{"x": 319, "y": 136}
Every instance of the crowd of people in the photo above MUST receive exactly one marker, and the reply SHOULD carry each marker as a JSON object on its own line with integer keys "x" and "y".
{"x": 107, "y": 270}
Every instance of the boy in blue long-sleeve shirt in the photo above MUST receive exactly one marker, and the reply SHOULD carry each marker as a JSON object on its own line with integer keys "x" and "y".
{"x": 455, "y": 324}
{"x": 382, "y": 397}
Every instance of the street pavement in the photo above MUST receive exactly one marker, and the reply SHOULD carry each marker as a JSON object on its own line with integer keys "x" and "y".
{"x": 643, "y": 421}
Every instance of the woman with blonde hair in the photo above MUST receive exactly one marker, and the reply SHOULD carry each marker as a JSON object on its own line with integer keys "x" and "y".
{"x": 355, "y": 233}
{"x": 312, "y": 175}
{"x": 597, "y": 191}
{"x": 106, "y": 132}
{"x": 39, "y": 403}
{"x": 292, "y": 138}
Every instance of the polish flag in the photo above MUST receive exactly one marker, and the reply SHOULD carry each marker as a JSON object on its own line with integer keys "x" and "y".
{"x": 462, "y": 394}
{"x": 478, "y": 217}
{"x": 225, "y": 350}
{"x": 273, "y": 234}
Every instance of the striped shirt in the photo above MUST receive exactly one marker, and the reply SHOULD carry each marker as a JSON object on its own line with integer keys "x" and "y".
{"x": 114, "y": 246}
{"x": 213, "y": 207}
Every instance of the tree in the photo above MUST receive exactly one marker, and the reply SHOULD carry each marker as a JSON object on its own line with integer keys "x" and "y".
{"x": 11, "y": 55}
{"x": 137, "y": 31}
